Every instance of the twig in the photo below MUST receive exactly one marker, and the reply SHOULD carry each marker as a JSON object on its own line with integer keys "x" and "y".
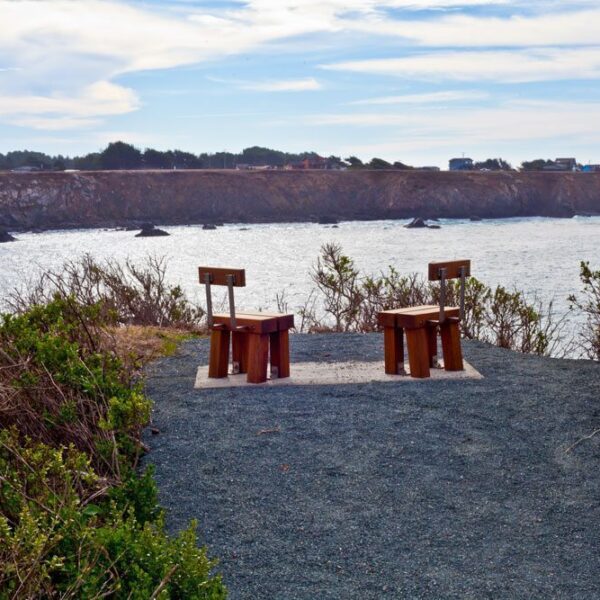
{"x": 265, "y": 431}
{"x": 585, "y": 437}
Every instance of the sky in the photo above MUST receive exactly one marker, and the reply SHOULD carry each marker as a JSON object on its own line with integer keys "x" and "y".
{"x": 418, "y": 81}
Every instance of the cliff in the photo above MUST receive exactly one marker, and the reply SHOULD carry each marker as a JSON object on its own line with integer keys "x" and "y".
{"x": 88, "y": 199}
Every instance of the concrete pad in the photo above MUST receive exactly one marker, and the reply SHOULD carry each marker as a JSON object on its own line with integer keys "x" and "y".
{"x": 319, "y": 373}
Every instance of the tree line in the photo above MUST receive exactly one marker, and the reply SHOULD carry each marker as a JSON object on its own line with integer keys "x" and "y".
{"x": 120, "y": 155}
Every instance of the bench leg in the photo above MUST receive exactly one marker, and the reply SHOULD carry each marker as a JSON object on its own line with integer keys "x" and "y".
{"x": 432, "y": 344}
{"x": 219, "y": 353}
{"x": 418, "y": 352}
{"x": 393, "y": 347}
{"x": 453, "y": 360}
{"x": 239, "y": 351}
{"x": 280, "y": 354}
{"x": 258, "y": 354}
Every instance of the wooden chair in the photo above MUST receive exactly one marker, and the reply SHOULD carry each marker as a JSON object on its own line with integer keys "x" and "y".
{"x": 421, "y": 324}
{"x": 252, "y": 334}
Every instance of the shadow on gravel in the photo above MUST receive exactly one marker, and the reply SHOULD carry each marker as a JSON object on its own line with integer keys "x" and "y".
{"x": 438, "y": 489}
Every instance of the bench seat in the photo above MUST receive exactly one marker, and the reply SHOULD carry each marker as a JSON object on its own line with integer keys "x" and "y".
{"x": 415, "y": 316}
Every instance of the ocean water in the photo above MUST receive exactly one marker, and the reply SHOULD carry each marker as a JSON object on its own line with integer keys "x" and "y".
{"x": 536, "y": 255}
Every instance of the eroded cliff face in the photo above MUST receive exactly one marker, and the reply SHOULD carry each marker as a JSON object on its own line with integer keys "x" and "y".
{"x": 89, "y": 199}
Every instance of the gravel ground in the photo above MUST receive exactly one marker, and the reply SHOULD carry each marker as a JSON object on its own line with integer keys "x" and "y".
{"x": 428, "y": 489}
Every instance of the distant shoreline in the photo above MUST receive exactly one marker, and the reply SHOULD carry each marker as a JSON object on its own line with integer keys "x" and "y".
{"x": 97, "y": 199}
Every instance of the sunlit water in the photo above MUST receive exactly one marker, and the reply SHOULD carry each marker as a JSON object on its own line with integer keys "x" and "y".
{"x": 537, "y": 255}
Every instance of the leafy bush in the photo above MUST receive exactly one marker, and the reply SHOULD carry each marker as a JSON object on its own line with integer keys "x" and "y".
{"x": 59, "y": 385}
{"x": 64, "y": 534}
{"x": 589, "y": 306}
{"x": 76, "y": 521}
{"x": 350, "y": 301}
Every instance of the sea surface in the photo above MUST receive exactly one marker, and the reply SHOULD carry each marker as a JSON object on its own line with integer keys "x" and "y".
{"x": 537, "y": 255}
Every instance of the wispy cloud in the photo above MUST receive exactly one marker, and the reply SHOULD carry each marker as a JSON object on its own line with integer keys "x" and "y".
{"x": 290, "y": 85}
{"x": 509, "y": 66}
{"x": 61, "y": 112}
{"x": 429, "y": 98}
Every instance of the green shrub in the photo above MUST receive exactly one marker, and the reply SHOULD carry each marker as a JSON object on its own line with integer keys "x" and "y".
{"x": 350, "y": 301}
{"x": 59, "y": 385}
{"x": 589, "y": 306}
{"x": 63, "y": 533}
{"x": 76, "y": 521}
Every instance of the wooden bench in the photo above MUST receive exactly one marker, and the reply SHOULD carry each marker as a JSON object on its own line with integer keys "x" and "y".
{"x": 421, "y": 324}
{"x": 253, "y": 335}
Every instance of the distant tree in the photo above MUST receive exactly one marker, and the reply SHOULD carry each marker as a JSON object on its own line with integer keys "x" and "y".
{"x": 184, "y": 160}
{"x": 89, "y": 162}
{"x": 493, "y": 164}
{"x": 379, "y": 163}
{"x": 355, "y": 163}
{"x": 401, "y": 166}
{"x": 154, "y": 159}
{"x": 119, "y": 155}
{"x": 257, "y": 155}
{"x": 536, "y": 165}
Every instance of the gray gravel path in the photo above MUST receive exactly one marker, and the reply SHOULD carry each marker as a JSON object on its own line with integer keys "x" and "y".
{"x": 445, "y": 489}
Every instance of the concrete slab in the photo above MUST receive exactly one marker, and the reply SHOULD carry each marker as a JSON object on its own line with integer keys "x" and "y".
{"x": 320, "y": 373}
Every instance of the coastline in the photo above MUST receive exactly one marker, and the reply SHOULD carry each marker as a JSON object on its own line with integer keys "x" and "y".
{"x": 86, "y": 199}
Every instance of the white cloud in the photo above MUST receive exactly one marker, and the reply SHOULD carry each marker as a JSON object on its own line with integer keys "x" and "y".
{"x": 573, "y": 27}
{"x": 71, "y": 52}
{"x": 290, "y": 85}
{"x": 512, "y": 121}
{"x": 430, "y": 98}
{"x": 62, "y": 112}
{"x": 508, "y": 66}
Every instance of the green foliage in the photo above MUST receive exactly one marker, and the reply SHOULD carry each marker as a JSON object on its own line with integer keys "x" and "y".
{"x": 379, "y": 163}
{"x": 354, "y": 162}
{"x": 588, "y": 305}
{"x": 58, "y": 385}
{"x": 350, "y": 301}
{"x": 536, "y": 165}
{"x": 75, "y": 519}
{"x": 119, "y": 155}
{"x": 62, "y": 534}
{"x": 493, "y": 164}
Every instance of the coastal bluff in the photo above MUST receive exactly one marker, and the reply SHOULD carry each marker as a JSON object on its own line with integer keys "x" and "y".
{"x": 112, "y": 198}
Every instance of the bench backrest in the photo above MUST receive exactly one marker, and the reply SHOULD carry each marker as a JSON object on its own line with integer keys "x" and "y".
{"x": 210, "y": 276}
{"x": 453, "y": 269}
{"x": 220, "y": 275}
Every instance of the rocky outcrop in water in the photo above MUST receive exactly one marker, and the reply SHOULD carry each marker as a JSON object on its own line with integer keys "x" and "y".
{"x": 149, "y": 230}
{"x": 117, "y": 198}
{"x": 6, "y": 237}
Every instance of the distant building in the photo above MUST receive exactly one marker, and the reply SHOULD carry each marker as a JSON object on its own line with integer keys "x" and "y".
{"x": 461, "y": 164}
{"x": 562, "y": 164}
{"x": 591, "y": 169}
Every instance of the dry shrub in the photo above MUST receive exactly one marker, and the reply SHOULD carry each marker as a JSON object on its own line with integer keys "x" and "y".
{"x": 132, "y": 294}
{"x": 347, "y": 300}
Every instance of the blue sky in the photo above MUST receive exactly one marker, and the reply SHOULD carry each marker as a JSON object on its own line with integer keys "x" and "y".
{"x": 418, "y": 81}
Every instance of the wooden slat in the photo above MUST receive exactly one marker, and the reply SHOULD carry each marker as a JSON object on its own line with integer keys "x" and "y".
{"x": 219, "y": 275}
{"x": 452, "y": 269}
{"x": 419, "y": 318}
{"x": 257, "y": 322}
